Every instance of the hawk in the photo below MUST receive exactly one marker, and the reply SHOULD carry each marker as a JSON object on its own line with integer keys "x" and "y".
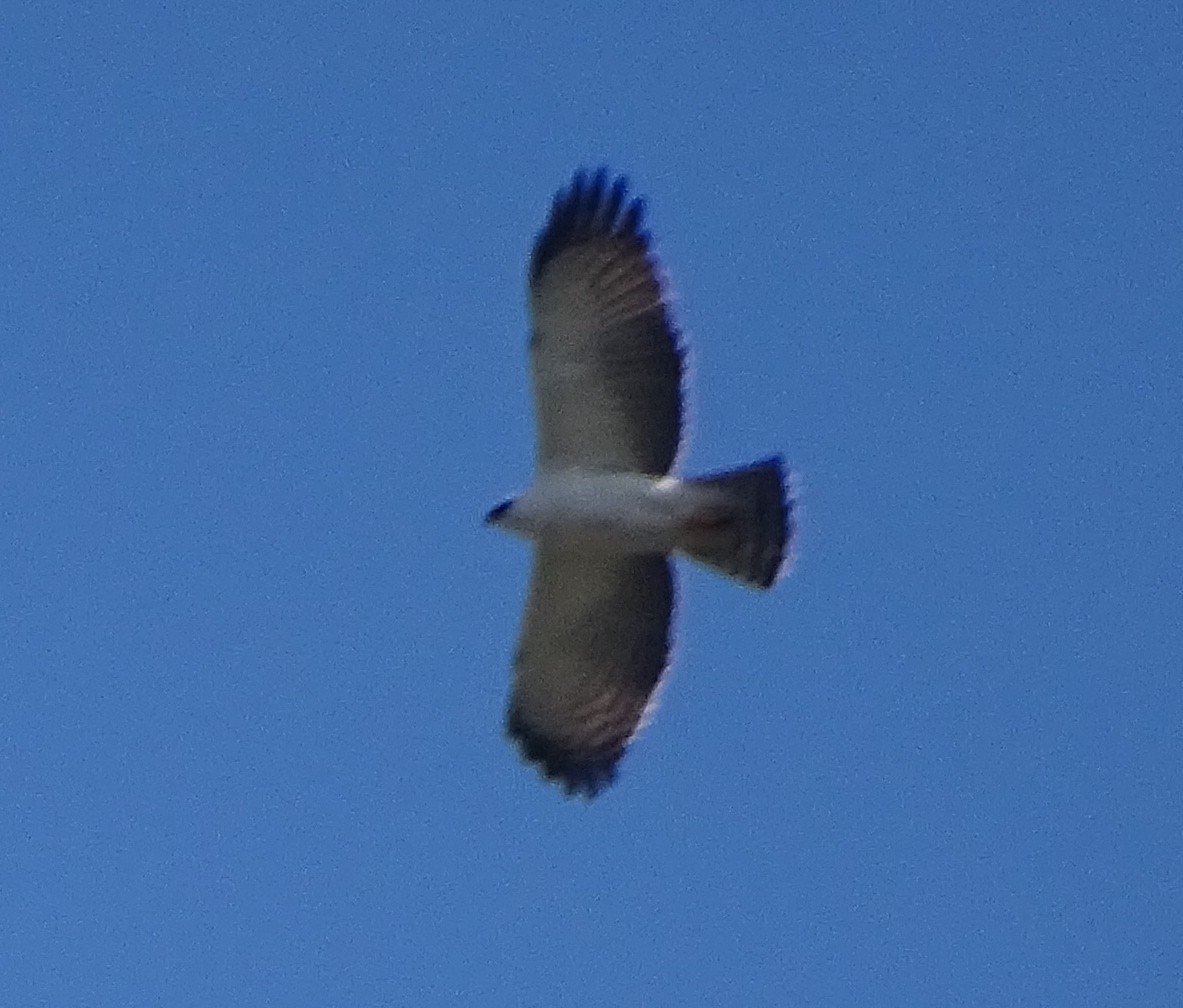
{"x": 605, "y": 511}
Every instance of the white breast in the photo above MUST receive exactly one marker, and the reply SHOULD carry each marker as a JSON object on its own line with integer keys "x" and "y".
{"x": 613, "y": 512}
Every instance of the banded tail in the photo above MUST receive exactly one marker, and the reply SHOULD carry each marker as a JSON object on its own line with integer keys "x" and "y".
{"x": 745, "y": 526}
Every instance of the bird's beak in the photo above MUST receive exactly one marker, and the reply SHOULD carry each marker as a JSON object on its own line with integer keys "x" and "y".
{"x": 496, "y": 514}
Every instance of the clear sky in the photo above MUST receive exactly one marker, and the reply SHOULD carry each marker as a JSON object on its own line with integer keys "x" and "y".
{"x": 262, "y": 371}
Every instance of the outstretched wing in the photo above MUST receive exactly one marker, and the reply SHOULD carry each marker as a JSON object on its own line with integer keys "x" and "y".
{"x": 594, "y": 645}
{"x": 607, "y": 366}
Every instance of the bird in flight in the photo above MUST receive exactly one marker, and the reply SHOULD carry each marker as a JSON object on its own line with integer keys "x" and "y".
{"x": 605, "y": 511}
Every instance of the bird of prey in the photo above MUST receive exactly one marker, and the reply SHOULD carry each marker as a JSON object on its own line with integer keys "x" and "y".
{"x": 605, "y": 510}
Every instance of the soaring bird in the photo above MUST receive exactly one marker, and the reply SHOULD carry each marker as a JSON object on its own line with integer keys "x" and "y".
{"x": 605, "y": 511}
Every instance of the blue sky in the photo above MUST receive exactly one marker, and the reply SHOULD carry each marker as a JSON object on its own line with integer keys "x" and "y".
{"x": 262, "y": 371}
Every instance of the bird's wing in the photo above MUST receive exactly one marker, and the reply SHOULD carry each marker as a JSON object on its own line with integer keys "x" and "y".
{"x": 607, "y": 365}
{"x": 594, "y": 645}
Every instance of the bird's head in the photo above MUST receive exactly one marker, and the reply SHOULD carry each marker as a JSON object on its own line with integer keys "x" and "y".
{"x": 500, "y": 513}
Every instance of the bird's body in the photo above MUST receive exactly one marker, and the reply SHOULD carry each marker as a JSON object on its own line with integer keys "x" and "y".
{"x": 605, "y": 511}
{"x": 610, "y": 512}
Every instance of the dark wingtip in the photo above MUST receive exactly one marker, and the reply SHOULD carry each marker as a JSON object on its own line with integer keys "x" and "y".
{"x": 577, "y": 776}
{"x": 588, "y": 207}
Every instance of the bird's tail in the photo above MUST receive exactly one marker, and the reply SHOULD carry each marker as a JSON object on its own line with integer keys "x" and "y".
{"x": 743, "y": 523}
